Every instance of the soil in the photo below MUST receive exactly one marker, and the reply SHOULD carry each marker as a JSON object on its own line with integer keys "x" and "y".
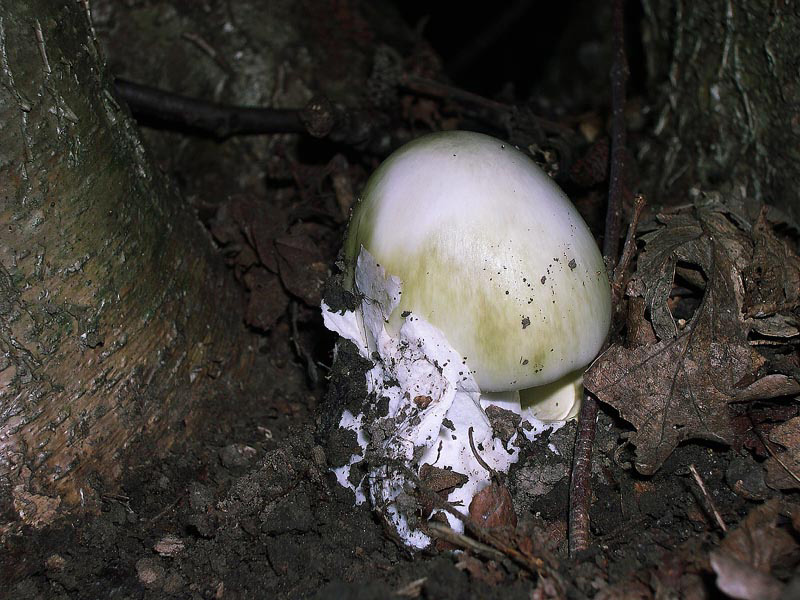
{"x": 250, "y": 509}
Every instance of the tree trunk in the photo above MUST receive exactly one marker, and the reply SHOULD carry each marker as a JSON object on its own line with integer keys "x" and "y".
{"x": 116, "y": 318}
{"x": 728, "y": 112}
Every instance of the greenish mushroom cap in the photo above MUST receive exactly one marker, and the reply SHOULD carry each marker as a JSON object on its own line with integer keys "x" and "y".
{"x": 491, "y": 252}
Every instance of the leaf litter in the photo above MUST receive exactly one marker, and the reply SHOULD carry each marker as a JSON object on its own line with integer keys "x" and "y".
{"x": 677, "y": 383}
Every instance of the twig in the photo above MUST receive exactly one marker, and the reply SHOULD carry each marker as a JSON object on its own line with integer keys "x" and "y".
{"x": 37, "y": 28}
{"x": 478, "y": 457}
{"x": 580, "y": 496}
{"x": 535, "y": 565}
{"x": 219, "y": 120}
{"x": 303, "y": 354}
{"x": 208, "y": 49}
{"x": 628, "y": 250}
{"x": 440, "y": 530}
{"x": 616, "y": 183}
{"x": 580, "y": 485}
{"x": 701, "y": 484}
{"x": 165, "y": 510}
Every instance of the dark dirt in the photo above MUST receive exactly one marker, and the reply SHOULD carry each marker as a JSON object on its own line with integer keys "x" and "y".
{"x": 251, "y": 510}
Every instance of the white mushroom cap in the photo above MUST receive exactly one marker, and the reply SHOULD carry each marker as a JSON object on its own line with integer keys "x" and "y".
{"x": 491, "y": 252}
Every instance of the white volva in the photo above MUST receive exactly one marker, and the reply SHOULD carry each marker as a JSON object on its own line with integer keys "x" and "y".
{"x": 492, "y": 253}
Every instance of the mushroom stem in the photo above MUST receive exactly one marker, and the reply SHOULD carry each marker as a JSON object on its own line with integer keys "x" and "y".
{"x": 559, "y": 400}
{"x": 556, "y": 401}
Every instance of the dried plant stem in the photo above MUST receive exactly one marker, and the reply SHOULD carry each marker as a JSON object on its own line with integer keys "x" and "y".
{"x": 478, "y": 457}
{"x": 701, "y": 484}
{"x": 628, "y": 250}
{"x": 616, "y": 183}
{"x": 581, "y": 492}
{"x": 580, "y": 497}
{"x": 444, "y": 532}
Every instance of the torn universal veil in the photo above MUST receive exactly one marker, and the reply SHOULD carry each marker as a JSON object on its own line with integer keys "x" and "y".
{"x": 433, "y": 400}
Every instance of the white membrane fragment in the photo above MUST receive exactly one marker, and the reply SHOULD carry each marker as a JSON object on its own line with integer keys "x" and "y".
{"x": 433, "y": 400}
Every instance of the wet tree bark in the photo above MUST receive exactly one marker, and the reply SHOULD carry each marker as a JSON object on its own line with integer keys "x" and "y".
{"x": 727, "y": 100}
{"x": 116, "y": 318}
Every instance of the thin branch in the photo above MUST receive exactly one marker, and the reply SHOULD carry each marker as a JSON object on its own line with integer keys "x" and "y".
{"x": 218, "y": 120}
{"x": 580, "y": 497}
{"x": 580, "y": 485}
{"x": 478, "y": 457}
{"x": 701, "y": 484}
{"x": 442, "y": 531}
{"x": 628, "y": 250}
{"x": 616, "y": 184}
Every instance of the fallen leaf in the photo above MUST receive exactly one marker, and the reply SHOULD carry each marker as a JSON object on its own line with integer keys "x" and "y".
{"x": 488, "y": 573}
{"x": 755, "y": 422}
{"x": 247, "y": 226}
{"x": 169, "y": 545}
{"x": 626, "y": 590}
{"x": 748, "y": 555}
{"x": 441, "y": 481}
{"x": 761, "y": 540}
{"x": 783, "y": 469}
{"x": 772, "y": 280}
{"x": 679, "y": 388}
{"x": 741, "y": 581}
{"x": 504, "y": 422}
{"x": 301, "y": 267}
{"x": 493, "y": 508}
{"x": 267, "y": 300}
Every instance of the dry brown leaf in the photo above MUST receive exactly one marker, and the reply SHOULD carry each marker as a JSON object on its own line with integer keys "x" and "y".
{"x": 772, "y": 280}
{"x": 741, "y": 581}
{"x": 267, "y": 300}
{"x": 747, "y": 556}
{"x": 679, "y": 388}
{"x": 492, "y": 508}
{"x": 301, "y": 267}
{"x": 783, "y": 469}
{"x": 441, "y": 481}
{"x": 481, "y": 571}
{"x": 761, "y": 540}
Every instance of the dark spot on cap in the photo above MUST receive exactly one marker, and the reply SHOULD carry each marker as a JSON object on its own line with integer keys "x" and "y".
{"x": 525, "y": 322}
{"x": 572, "y": 264}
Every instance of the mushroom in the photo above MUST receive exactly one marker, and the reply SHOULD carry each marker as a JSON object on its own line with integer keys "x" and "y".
{"x": 478, "y": 284}
{"x": 491, "y": 252}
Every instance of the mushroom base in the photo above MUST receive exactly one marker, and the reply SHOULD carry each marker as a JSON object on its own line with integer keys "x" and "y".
{"x": 424, "y": 408}
{"x": 557, "y": 401}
